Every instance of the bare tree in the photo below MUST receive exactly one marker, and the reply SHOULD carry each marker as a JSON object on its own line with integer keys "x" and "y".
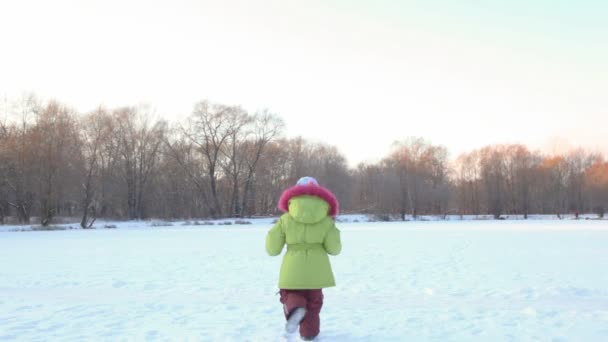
{"x": 467, "y": 182}
{"x": 4, "y": 119}
{"x": 139, "y": 142}
{"x": 272, "y": 173}
{"x": 578, "y": 161}
{"x": 233, "y": 151}
{"x": 406, "y": 156}
{"x": 266, "y": 127}
{"x": 19, "y": 174}
{"x": 299, "y": 151}
{"x": 210, "y": 128}
{"x": 56, "y": 139}
{"x": 554, "y": 178}
{"x": 373, "y": 191}
{"x": 597, "y": 183}
{"x": 96, "y": 130}
{"x": 520, "y": 164}
{"x": 180, "y": 149}
{"x": 4, "y": 163}
{"x": 334, "y": 172}
{"x": 493, "y": 179}
{"x": 179, "y": 180}
{"x": 434, "y": 165}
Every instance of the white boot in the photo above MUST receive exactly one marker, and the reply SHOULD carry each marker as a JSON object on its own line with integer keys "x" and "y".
{"x": 295, "y": 317}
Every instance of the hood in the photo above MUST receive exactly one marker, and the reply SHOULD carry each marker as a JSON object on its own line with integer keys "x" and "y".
{"x": 313, "y": 191}
{"x": 308, "y": 209}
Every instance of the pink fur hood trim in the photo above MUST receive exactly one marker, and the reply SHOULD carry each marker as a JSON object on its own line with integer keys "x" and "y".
{"x": 311, "y": 190}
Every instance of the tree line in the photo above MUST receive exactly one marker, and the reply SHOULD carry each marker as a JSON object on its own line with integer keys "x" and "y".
{"x": 417, "y": 178}
{"x": 124, "y": 163}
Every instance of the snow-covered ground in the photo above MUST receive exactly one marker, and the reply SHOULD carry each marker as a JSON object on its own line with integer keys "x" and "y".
{"x": 415, "y": 281}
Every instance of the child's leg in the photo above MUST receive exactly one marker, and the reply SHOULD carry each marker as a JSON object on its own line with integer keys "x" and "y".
{"x": 311, "y": 324}
{"x": 292, "y": 299}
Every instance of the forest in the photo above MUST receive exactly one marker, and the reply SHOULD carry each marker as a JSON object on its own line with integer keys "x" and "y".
{"x": 128, "y": 163}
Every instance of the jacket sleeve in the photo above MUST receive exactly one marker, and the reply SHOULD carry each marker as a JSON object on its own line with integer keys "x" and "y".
{"x": 275, "y": 239}
{"x": 332, "y": 243}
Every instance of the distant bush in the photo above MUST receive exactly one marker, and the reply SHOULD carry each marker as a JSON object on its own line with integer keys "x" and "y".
{"x": 110, "y": 226}
{"x": 198, "y": 223}
{"x": 225, "y": 223}
{"x": 483, "y": 217}
{"x": 242, "y": 222}
{"x": 600, "y": 211}
{"x": 380, "y": 218}
{"x": 49, "y": 228}
{"x": 204, "y": 223}
{"x": 65, "y": 220}
{"x": 161, "y": 224}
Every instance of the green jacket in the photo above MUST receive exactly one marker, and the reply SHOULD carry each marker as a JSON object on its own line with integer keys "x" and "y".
{"x": 310, "y": 235}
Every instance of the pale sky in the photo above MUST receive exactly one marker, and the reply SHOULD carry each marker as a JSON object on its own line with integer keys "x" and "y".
{"x": 355, "y": 74}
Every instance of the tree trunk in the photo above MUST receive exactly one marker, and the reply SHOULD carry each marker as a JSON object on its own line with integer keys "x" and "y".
{"x": 214, "y": 209}
{"x": 139, "y": 198}
{"x": 87, "y": 221}
{"x": 23, "y": 214}
{"x": 131, "y": 199}
{"x": 234, "y": 202}
{"x": 244, "y": 207}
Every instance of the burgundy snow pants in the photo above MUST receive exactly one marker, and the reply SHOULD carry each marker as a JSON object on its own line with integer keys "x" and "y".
{"x": 312, "y": 300}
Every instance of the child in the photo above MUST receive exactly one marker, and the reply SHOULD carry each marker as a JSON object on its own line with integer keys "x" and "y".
{"x": 309, "y": 230}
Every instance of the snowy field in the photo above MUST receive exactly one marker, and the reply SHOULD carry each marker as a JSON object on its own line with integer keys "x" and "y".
{"x": 416, "y": 281}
